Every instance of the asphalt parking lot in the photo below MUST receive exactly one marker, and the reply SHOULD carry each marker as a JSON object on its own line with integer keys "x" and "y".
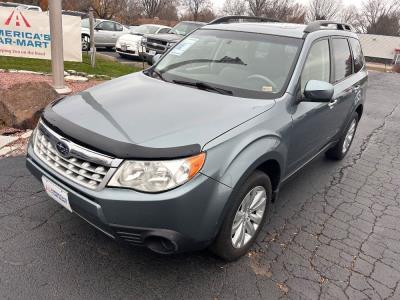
{"x": 333, "y": 234}
{"x": 123, "y": 60}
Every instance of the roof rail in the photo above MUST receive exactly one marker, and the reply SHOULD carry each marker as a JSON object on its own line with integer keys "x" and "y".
{"x": 316, "y": 25}
{"x": 238, "y": 19}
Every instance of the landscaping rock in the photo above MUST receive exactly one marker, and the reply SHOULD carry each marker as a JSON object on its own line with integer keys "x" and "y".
{"x": 22, "y": 104}
{"x": 75, "y": 78}
{"x": 5, "y": 140}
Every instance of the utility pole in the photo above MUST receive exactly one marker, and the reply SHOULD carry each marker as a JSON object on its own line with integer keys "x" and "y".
{"x": 92, "y": 41}
{"x": 57, "y": 54}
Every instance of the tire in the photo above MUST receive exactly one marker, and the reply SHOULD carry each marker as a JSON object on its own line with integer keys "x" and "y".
{"x": 85, "y": 42}
{"x": 122, "y": 55}
{"x": 339, "y": 151}
{"x": 223, "y": 245}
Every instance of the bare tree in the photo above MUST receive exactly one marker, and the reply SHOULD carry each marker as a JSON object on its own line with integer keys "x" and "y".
{"x": 350, "y": 15}
{"x": 256, "y": 7}
{"x": 323, "y": 9}
{"x": 152, "y": 8}
{"x": 285, "y": 10}
{"x": 234, "y": 7}
{"x": 107, "y": 9}
{"x": 195, "y": 7}
{"x": 170, "y": 11}
{"x": 386, "y": 25}
{"x": 376, "y": 14}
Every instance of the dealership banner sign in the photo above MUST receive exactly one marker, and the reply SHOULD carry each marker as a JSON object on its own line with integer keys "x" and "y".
{"x": 25, "y": 33}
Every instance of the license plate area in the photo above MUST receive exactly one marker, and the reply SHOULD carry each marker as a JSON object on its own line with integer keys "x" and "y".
{"x": 56, "y": 193}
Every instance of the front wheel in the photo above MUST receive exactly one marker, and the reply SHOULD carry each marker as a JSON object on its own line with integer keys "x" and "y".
{"x": 339, "y": 151}
{"x": 245, "y": 218}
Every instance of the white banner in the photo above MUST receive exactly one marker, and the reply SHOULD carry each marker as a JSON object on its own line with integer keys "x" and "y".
{"x": 25, "y": 33}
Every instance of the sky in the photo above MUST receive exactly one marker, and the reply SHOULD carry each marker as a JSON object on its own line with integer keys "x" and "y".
{"x": 219, "y": 3}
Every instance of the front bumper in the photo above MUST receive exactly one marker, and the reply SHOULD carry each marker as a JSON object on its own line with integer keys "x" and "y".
{"x": 188, "y": 217}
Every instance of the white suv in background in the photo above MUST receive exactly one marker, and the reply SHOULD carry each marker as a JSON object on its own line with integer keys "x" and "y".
{"x": 129, "y": 45}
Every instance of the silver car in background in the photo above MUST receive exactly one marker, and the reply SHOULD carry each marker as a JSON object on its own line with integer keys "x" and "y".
{"x": 130, "y": 45}
{"x": 106, "y": 33}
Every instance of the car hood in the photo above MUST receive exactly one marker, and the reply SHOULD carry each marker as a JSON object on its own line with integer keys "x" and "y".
{"x": 166, "y": 37}
{"x": 134, "y": 38}
{"x": 137, "y": 116}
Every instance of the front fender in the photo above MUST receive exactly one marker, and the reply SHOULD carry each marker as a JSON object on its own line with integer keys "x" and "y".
{"x": 235, "y": 159}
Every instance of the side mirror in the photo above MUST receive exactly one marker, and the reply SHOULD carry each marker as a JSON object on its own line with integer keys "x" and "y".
{"x": 318, "y": 91}
{"x": 156, "y": 58}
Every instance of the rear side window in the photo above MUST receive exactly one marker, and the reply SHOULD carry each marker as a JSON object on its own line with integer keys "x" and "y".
{"x": 318, "y": 65}
{"x": 358, "y": 56}
{"x": 118, "y": 27}
{"x": 164, "y": 30}
{"x": 342, "y": 59}
{"x": 106, "y": 26}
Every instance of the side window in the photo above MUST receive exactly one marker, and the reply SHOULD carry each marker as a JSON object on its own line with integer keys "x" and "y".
{"x": 318, "y": 64}
{"x": 342, "y": 59}
{"x": 118, "y": 27}
{"x": 164, "y": 30}
{"x": 106, "y": 26}
{"x": 357, "y": 55}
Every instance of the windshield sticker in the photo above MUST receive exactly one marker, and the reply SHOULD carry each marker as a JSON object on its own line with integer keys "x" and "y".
{"x": 183, "y": 46}
{"x": 267, "y": 88}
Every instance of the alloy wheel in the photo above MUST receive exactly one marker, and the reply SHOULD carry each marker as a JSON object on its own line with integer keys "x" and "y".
{"x": 248, "y": 216}
{"x": 349, "y": 136}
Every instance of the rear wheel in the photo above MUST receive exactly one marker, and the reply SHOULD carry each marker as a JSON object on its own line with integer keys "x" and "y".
{"x": 339, "y": 151}
{"x": 245, "y": 218}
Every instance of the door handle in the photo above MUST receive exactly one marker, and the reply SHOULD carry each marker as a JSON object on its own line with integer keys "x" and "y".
{"x": 332, "y": 103}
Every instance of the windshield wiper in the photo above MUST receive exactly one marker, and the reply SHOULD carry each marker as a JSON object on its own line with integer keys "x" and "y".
{"x": 231, "y": 60}
{"x": 158, "y": 73}
{"x": 204, "y": 86}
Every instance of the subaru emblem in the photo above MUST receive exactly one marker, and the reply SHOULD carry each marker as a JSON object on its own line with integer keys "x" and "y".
{"x": 62, "y": 148}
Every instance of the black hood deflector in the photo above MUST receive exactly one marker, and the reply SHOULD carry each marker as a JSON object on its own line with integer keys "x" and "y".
{"x": 108, "y": 146}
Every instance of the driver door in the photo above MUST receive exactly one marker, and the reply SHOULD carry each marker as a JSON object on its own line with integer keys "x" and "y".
{"x": 312, "y": 121}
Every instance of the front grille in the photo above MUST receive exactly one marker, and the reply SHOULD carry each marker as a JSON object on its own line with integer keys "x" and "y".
{"x": 77, "y": 165}
{"x": 153, "y": 44}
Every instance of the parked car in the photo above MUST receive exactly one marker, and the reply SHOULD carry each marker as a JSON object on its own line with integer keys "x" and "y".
{"x": 129, "y": 45}
{"x": 190, "y": 153}
{"x": 160, "y": 43}
{"x": 106, "y": 33}
{"x": 21, "y": 6}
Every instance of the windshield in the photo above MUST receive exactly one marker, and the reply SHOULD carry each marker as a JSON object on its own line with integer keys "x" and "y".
{"x": 184, "y": 28}
{"x": 144, "y": 29}
{"x": 244, "y": 64}
{"x": 85, "y": 23}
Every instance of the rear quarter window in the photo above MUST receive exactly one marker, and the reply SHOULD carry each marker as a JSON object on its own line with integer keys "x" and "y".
{"x": 358, "y": 56}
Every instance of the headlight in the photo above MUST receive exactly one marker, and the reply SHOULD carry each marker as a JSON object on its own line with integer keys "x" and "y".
{"x": 157, "y": 176}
